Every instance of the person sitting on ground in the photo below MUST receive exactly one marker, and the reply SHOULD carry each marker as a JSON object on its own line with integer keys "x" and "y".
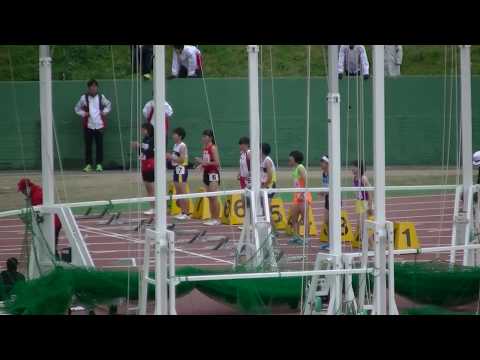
{"x": 93, "y": 108}
{"x": 186, "y": 62}
{"x": 34, "y": 197}
{"x": 11, "y": 276}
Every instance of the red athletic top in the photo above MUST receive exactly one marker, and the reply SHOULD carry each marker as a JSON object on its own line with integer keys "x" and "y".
{"x": 36, "y": 197}
{"x": 208, "y": 156}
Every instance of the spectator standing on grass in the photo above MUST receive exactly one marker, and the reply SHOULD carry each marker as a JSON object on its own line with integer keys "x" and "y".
{"x": 393, "y": 60}
{"x": 142, "y": 54}
{"x": 186, "y": 62}
{"x": 353, "y": 61}
{"x": 93, "y": 108}
{"x": 11, "y": 276}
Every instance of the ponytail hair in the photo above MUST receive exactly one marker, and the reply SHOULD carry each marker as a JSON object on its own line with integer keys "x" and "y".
{"x": 360, "y": 165}
{"x": 149, "y": 128}
{"x": 209, "y": 133}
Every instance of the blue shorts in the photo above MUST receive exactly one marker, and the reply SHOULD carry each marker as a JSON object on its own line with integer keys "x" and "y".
{"x": 180, "y": 174}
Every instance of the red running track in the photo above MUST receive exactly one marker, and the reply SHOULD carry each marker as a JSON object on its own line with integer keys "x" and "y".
{"x": 109, "y": 244}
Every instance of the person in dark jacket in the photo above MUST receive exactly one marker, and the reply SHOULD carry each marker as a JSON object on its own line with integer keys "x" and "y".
{"x": 143, "y": 55}
{"x": 11, "y": 276}
{"x": 147, "y": 157}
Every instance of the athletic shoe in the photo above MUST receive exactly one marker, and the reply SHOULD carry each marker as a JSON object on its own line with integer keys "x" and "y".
{"x": 99, "y": 168}
{"x": 324, "y": 247}
{"x": 147, "y": 76}
{"x": 296, "y": 241}
{"x": 88, "y": 168}
{"x": 182, "y": 217}
{"x": 149, "y": 212}
{"x": 240, "y": 228}
{"x": 212, "y": 222}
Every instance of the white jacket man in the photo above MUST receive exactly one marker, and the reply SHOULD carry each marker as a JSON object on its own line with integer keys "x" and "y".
{"x": 186, "y": 62}
{"x": 353, "y": 60}
{"x": 93, "y": 108}
{"x": 393, "y": 60}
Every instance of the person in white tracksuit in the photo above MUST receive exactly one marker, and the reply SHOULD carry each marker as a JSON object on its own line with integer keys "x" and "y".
{"x": 393, "y": 60}
{"x": 353, "y": 61}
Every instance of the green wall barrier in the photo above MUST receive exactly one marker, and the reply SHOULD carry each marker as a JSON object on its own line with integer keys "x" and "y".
{"x": 415, "y": 117}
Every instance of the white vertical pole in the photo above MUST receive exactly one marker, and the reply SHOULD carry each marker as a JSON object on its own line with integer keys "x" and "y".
{"x": 335, "y": 230}
{"x": 161, "y": 246}
{"x": 466, "y": 121}
{"x": 46, "y": 116}
{"x": 254, "y": 128}
{"x": 379, "y": 170}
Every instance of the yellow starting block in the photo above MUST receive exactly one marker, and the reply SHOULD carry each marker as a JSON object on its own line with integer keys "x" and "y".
{"x": 233, "y": 210}
{"x": 201, "y": 209}
{"x": 405, "y": 236}
{"x": 356, "y": 243}
{"x": 279, "y": 218}
{"x": 347, "y": 232}
{"x": 312, "y": 230}
{"x": 173, "y": 208}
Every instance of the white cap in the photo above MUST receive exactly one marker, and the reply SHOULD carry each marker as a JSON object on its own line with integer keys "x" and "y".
{"x": 325, "y": 158}
{"x": 476, "y": 158}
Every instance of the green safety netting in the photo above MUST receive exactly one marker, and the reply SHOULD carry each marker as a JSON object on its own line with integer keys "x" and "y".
{"x": 432, "y": 310}
{"x": 438, "y": 284}
{"x": 434, "y": 284}
{"x": 56, "y": 291}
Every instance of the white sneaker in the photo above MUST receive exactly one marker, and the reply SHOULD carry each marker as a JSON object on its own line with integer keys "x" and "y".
{"x": 149, "y": 212}
{"x": 182, "y": 217}
{"x": 212, "y": 222}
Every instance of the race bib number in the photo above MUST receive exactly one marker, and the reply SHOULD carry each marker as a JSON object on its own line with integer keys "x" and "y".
{"x": 180, "y": 170}
{"x": 213, "y": 177}
{"x": 206, "y": 156}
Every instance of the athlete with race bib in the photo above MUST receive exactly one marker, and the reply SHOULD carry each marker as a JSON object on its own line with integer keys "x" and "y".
{"x": 179, "y": 162}
{"x": 210, "y": 162}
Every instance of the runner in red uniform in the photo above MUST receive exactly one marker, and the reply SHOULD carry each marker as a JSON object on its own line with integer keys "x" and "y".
{"x": 244, "y": 172}
{"x": 210, "y": 162}
{"x": 34, "y": 194}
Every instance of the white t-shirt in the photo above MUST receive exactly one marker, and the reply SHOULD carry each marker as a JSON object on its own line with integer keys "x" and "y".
{"x": 177, "y": 148}
{"x": 264, "y": 175}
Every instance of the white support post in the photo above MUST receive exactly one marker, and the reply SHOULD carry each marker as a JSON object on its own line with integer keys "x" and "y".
{"x": 254, "y": 130}
{"x": 379, "y": 170}
{"x": 48, "y": 175}
{"x": 466, "y": 125}
{"x": 161, "y": 245}
{"x": 335, "y": 197}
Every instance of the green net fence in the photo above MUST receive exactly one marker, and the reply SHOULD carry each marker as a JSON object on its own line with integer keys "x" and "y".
{"x": 56, "y": 291}
{"x": 437, "y": 287}
{"x": 438, "y": 284}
